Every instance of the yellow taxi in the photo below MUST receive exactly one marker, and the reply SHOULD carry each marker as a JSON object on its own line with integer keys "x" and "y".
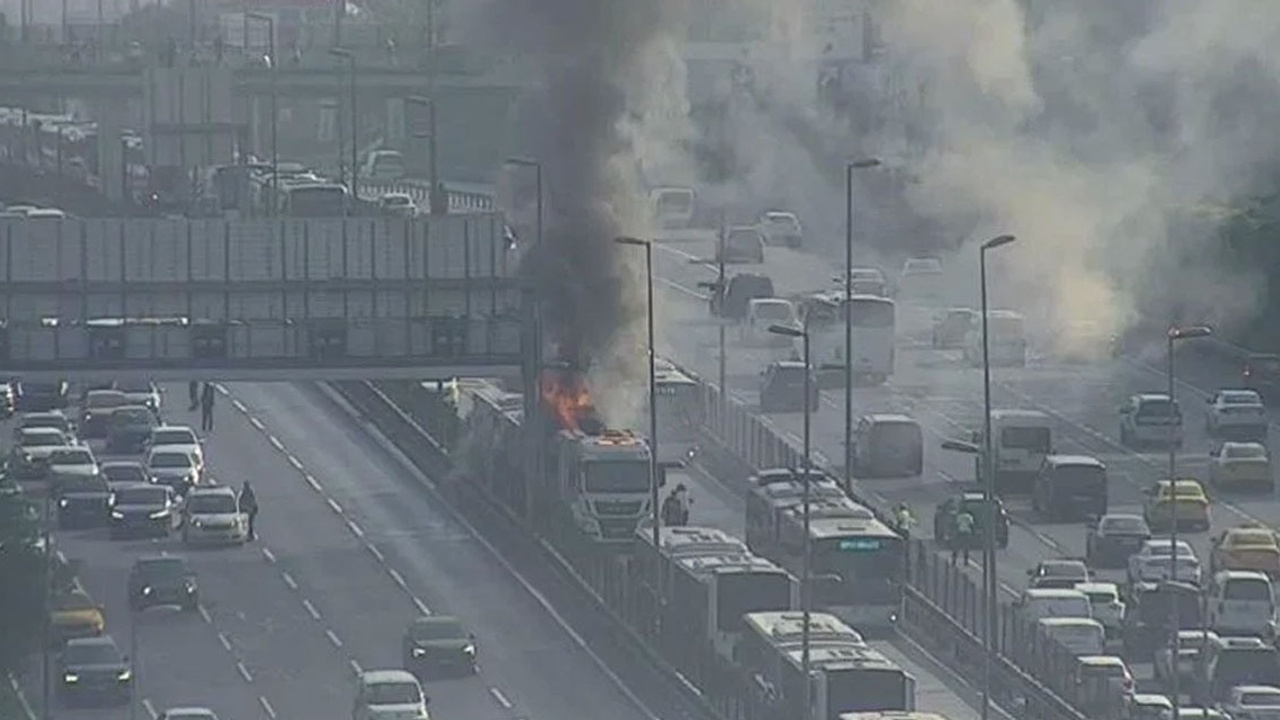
{"x": 1250, "y": 547}
{"x": 1184, "y": 499}
{"x": 75, "y": 615}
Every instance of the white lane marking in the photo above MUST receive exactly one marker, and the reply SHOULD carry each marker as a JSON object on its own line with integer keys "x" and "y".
{"x": 62, "y": 558}
{"x": 538, "y": 597}
{"x": 240, "y": 406}
{"x": 376, "y": 553}
{"x": 226, "y": 641}
{"x": 355, "y": 529}
{"x": 27, "y": 711}
{"x": 288, "y": 580}
{"x": 355, "y": 666}
{"x": 275, "y": 442}
{"x": 333, "y": 638}
{"x": 244, "y": 672}
{"x": 334, "y": 504}
{"x": 151, "y": 709}
{"x": 204, "y": 614}
{"x": 315, "y": 485}
{"x": 396, "y": 576}
{"x": 311, "y": 609}
{"x": 266, "y": 707}
{"x": 257, "y": 424}
{"x": 270, "y": 556}
{"x": 502, "y": 699}
{"x": 221, "y": 388}
{"x": 295, "y": 462}
{"x": 422, "y": 607}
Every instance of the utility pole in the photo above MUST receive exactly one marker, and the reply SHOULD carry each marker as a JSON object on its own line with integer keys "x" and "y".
{"x": 46, "y": 686}
{"x": 439, "y": 199}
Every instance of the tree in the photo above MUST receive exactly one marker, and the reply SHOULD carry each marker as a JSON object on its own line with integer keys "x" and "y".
{"x": 23, "y": 573}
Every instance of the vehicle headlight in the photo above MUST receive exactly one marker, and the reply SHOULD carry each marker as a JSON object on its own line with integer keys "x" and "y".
{"x": 197, "y": 523}
{"x": 63, "y": 502}
{"x": 124, "y": 675}
{"x": 470, "y": 649}
{"x": 70, "y": 677}
{"x": 117, "y": 515}
{"x": 146, "y": 589}
{"x": 191, "y": 586}
{"x": 419, "y": 652}
{"x": 159, "y": 514}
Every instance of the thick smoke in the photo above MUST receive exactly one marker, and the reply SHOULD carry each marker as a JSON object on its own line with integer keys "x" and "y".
{"x": 604, "y": 68}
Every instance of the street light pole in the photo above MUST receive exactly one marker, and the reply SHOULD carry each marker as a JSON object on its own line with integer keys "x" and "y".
{"x": 988, "y": 486}
{"x": 350, "y": 58}
{"x": 275, "y": 112}
{"x": 849, "y": 167}
{"x": 1175, "y": 334}
{"x": 46, "y": 686}
{"x": 653, "y": 384}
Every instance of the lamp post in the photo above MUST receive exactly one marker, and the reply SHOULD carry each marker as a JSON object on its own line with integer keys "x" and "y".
{"x": 518, "y": 162}
{"x": 653, "y": 383}
{"x": 438, "y": 206}
{"x": 46, "y": 683}
{"x": 806, "y": 571}
{"x": 849, "y": 167}
{"x": 988, "y": 484}
{"x": 350, "y": 58}
{"x": 275, "y": 94}
{"x": 1175, "y": 334}
{"x": 718, "y": 287}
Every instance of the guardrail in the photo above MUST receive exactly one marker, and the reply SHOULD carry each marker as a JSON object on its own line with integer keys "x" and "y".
{"x": 460, "y": 200}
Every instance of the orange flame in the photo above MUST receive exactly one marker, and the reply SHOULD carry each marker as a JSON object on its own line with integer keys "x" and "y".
{"x": 568, "y": 398}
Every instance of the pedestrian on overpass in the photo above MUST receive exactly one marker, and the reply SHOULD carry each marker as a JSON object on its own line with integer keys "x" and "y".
{"x": 964, "y": 536}
{"x": 206, "y": 408}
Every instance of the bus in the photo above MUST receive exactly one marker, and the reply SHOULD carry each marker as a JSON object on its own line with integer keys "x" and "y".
{"x": 873, "y": 330}
{"x": 770, "y": 493}
{"x": 679, "y": 413}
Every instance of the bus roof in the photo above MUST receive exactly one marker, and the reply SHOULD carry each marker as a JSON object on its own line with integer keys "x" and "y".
{"x": 683, "y": 541}
{"x": 1011, "y": 415}
{"x": 841, "y": 657}
{"x": 891, "y": 418}
{"x": 784, "y": 628}
{"x": 704, "y": 565}
{"x": 833, "y": 507}
{"x": 825, "y": 528}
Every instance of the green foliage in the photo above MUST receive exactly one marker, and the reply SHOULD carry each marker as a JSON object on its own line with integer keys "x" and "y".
{"x": 23, "y": 568}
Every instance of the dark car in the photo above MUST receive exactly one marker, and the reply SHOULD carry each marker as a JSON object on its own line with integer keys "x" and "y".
{"x": 125, "y": 471}
{"x": 1261, "y": 372}
{"x": 55, "y": 419}
{"x": 82, "y": 501}
{"x": 129, "y": 428}
{"x": 438, "y": 644}
{"x": 29, "y": 456}
{"x": 741, "y": 245}
{"x": 782, "y": 388}
{"x": 951, "y": 327}
{"x": 142, "y": 509}
{"x": 97, "y": 408}
{"x": 1112, "y": 538}
{"x": 41, "y": 396}
{"x": 92, "y": 670}
{"x": 735, "y": 297}
{"x": 163, "y": 580}
{"x": 944, "y": 519}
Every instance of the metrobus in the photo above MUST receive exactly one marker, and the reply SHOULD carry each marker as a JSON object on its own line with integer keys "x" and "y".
{"x": 873, "y": 321}
{"x": 679, "y": 413}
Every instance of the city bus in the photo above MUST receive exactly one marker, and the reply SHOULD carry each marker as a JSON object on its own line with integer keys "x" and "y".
{"x": 679, "y": 414}
{"x": 873, "y": 330}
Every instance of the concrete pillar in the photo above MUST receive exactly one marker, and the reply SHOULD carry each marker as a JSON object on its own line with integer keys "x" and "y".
{"x": 111, "y": 116}
{"x": 259, "y": 129}
{"x": 395, "y": 125}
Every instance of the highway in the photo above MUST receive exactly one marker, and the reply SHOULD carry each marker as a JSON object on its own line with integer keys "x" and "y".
{"x": 350, "y": 551}
{"x": 945, "y": 396}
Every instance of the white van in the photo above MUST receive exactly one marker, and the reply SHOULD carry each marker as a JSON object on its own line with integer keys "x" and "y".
{"x": 763, "y": 313}
{"x": 672, "y": 206}
{"x": 1020, "y": 441}
{"x": 1080, "y": 636}
{"x": 1037, "y": 603}
{"x": 887, "y": 445}
{"x": 1242, "y": 603}
{"x": 1007, "y": 342}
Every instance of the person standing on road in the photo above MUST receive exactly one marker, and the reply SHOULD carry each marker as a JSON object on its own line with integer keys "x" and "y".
{"x": 206, "y": 408}
{"x": 964, "y": 536}
{"x": 904, "y": 520}
{"x": 193, "y": 390}
{"x": 249, "y": 506}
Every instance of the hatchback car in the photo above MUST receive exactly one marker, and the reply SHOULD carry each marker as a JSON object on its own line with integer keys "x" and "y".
{"x": 98, "y": 406}
{"x": 435, "y": 644}
{"x": 162, "y": 580}
{"x": 387, "y": 694}
{"x": 782, "y": 388}
{"x": 1155, "y": 562}
{"x": 91, "y": 670}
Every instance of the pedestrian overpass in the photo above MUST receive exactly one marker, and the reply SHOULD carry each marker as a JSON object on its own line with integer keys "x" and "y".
{"x": 271, "y": 299}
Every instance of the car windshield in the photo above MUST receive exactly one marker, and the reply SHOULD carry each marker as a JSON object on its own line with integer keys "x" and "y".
{"x": 135, "y": 386}
{"x": 393, "y": 693}
{"x": 42, "y": 439}
{"x": 1100, "y": 597}
{"x": 438, "y": 630}
{"x": 75, "y": 601}
{"x": 1244, "y": 452}
{"x": 773, "y": 311}
{"x": 1034, "y": 439}
{"x": 132, "y": 416}
{"x": 70, "y": 457}
{"x": 173, "y": 437}
{"x": 1248, "y": 589}
{"x": 170, "y": 460}
{"x": 1257, "y": 698}
{"x": 1241, "y": 397}
{"x": 604, "y": 476}
{"x": 163, "y": 568}
{"x": 97, "y": 653}
{"x": 1164, "y": 549}
{"x": 779, "y": 221}
{"x": 1157, "y": 407}
{"x": 124, "y": 473}
{"x": 1185, "y": 490}
{"x": 104, "y": 399}
{"x": 1063, "y": 570}
{"x": 211, "y": 503}
{"x": 1124, "y": 525}
{"x": 142, "y": 496}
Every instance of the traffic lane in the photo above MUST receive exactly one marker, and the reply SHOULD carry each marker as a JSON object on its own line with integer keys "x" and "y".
{"x": 345, "y": 606}
{"x": 524, "y": 649}
{"x": 792, "y": 271}
{"x": 178, "y": 659}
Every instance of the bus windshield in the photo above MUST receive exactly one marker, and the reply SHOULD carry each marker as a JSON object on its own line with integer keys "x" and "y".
{"x": 869, "y": 568}
{"x": 605, "y": 476}
{"x": 898, "y": 434}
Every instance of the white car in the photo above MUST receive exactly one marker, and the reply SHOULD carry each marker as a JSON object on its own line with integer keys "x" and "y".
{"x": 1105, "y": 602}
{"x": 398, "y": 205}
{"x": 179, "y": 438}
{"x": 1151, "y": 563}
{"x": 762, "y": 313}
{"x": 782, "y": 228}
{"x": 212, "y": 515}
{"x": 1234, "y": 464}
{"x": 389, "y": 695}
{"x": 1150, "y": 419}
{"x": 187, "y": 713}
{"x": 174, "y": 468}
{"x": 1253, "y": 702}
{"x": 1231, "y": 411}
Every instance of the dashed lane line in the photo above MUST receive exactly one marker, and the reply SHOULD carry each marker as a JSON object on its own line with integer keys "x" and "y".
{"x": 240, "y": 406}
{"x": 295, "y": 462}
{"x": 226, "y": 641}
{"x": 355, "y": 529}
{"x": 288, "y": 580}
{"x": 275, "y": 442}
{"x": 315, "y": 484}
{"x": 244, "y": 672}
{"x": 204, "y": 614}
{"x": 151, "y": 709}
{"x": 333, "y": 638}
{"x": 266, "y": 707}
{"x": 396, "y": 576}
{"x": 257, "y": 424}
{"x": 502, "y": 699}
{"x": 373, "y": 550}
{"x": 311, "y": 609}
{"x": 422, "y": 607}
{"x": 355, "y": 666}
{"x": 334, "y": 504}
{"x": 270, "y": 556}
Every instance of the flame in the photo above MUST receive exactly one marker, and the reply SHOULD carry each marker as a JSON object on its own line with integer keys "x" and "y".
{"x": 568, "y": 398}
